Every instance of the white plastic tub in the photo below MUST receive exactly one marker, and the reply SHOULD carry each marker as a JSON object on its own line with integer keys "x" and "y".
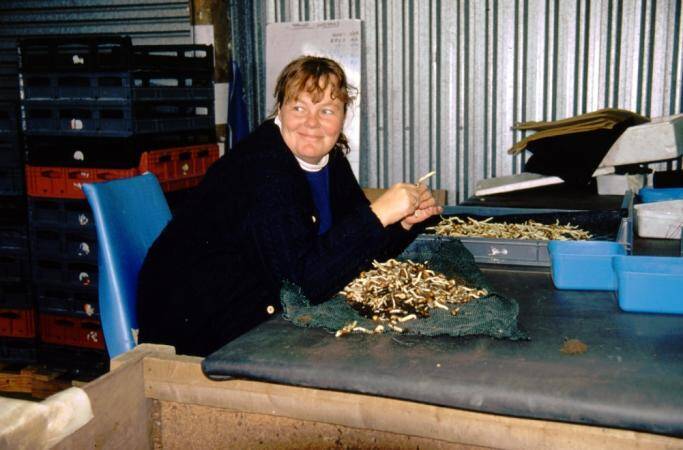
{"x": 618, "y": 184}
{"x": 660, "y": 219}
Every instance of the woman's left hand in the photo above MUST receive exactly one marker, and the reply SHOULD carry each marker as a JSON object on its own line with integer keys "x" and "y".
{"x": 426, "y": 209}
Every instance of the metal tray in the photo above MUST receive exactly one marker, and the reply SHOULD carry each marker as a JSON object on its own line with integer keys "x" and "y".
{"x": 605, "y": 225}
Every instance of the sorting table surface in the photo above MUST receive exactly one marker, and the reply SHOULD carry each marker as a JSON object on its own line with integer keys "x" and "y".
{"x": 630, "y": 376}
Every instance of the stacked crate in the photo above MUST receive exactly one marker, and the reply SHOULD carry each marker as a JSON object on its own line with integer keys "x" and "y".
{"x": 17, "y": 314}
{"x": 95, "y": 109}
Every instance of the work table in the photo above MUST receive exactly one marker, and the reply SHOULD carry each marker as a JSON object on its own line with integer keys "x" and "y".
{"x": 631, "y": 375}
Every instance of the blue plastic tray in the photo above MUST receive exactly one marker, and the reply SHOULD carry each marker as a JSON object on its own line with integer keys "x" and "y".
{"x": 649, "y": 195}
{"x": 584, "y": 265}
{"x": 650, "y": 283}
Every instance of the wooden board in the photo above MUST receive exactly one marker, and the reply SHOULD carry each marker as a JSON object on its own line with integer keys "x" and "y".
{"x": 153, "y": 398}
{"x": 186, "y": 426}
{"x": 123, "y": 414}
{"x": 179, "y": 379}
{"x": 37, "y": 382}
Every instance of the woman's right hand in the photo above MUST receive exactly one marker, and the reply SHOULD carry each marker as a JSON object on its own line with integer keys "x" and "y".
{"x": 399, "y": 201}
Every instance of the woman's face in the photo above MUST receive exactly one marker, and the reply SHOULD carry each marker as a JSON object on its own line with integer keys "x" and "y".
{"x": 310, "y": 129}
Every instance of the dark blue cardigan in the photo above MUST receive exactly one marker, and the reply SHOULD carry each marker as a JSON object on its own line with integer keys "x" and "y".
{"x": 216, "y": 269}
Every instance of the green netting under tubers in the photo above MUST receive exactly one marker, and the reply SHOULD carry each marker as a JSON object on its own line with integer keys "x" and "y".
{"x": 492, "y": 315}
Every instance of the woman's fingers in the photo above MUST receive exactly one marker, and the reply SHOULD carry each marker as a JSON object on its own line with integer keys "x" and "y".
{"x": 397, "y": 202}
{"x": 408, "y": 203}
{"x": 427, "y": 202}
{"x": 427, "y": 212}
{"x": 420, "y": 215}
{"x": 426, "y": 209}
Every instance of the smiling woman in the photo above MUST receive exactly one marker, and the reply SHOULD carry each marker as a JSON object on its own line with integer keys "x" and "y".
{"x": 284, "y": 205}
{"x": 312, "y": 96}
{"x": 311, "y": 129}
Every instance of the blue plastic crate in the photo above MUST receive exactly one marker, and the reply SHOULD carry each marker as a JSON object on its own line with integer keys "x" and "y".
{"x": 649, "y": 195}
{"x": 584, "y": 265}
{"x": 650, "y": 283}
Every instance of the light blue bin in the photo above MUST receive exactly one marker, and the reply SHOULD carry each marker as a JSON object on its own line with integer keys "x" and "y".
{"x": 649, "y": 195}
{"x": 584, "y": 265}
{"x": 651, "y": 284}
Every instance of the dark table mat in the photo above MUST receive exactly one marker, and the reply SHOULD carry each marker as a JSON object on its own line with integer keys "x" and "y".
{"x": 630, "y": 377}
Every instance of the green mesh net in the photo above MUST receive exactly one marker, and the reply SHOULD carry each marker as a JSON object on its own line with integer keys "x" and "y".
{"x": 493, "y": 315}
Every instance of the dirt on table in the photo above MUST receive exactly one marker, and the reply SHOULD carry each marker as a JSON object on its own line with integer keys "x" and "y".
{"x": 573, "y": 347}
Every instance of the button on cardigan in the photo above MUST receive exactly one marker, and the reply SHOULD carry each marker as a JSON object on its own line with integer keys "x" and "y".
{"x": 217, "y": 267}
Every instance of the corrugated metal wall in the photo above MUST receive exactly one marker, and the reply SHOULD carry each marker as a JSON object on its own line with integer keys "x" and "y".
{"x": 444, "y": 80}
{"x": 146, "y": 21}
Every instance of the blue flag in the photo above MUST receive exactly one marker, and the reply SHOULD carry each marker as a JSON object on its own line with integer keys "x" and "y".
{"x": 237, "y": 109}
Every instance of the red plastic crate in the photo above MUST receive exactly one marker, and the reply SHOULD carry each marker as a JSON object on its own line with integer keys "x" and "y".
{"x": 179, "y": 163}
{"x": 72, "y": 331}
{"x": 67, "y": 182}
{"x": 176, "y": 168}
{"x": 17, "y": 323}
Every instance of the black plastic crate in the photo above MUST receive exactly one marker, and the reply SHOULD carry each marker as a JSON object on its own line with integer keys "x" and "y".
{"x": 112, "y": 153}
{"x": 83, "y": 364}
{"x": 11, "y": 180}
{"x": 164, "y": 117}
{"x": 67, "y": 244}
{"x": 78, "y": 86}
{"x": 11, "y": 153}
{"x": 9, "y": 117}
{"x": 16, "y": 295}
{"x": 13, "y": 237}
{"x": 117, "y": 86}
{"x": 173, "y": 57}
{"x": 13, "y": 211}
{"x": 55, "y": 299}
{"x": 9, "y": 84}
{"x": 173, "y": 86}
{"x": 74, "y": 274}
{"x": 75, "y": 53}
{"x": 76, "y": 119}
{"x": 14, "y": 265}
{"x": 20, "y": 351}
{"x": 62, "y": 214}
{"x": 117, "y": 119}
{"x": 91, "y": 53}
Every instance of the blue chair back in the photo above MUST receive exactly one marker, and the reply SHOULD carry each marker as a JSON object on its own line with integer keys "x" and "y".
{"x": 129, "y": 215}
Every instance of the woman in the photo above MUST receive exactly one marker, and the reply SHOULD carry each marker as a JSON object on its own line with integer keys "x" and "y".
{"x": 283, "y": 205}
